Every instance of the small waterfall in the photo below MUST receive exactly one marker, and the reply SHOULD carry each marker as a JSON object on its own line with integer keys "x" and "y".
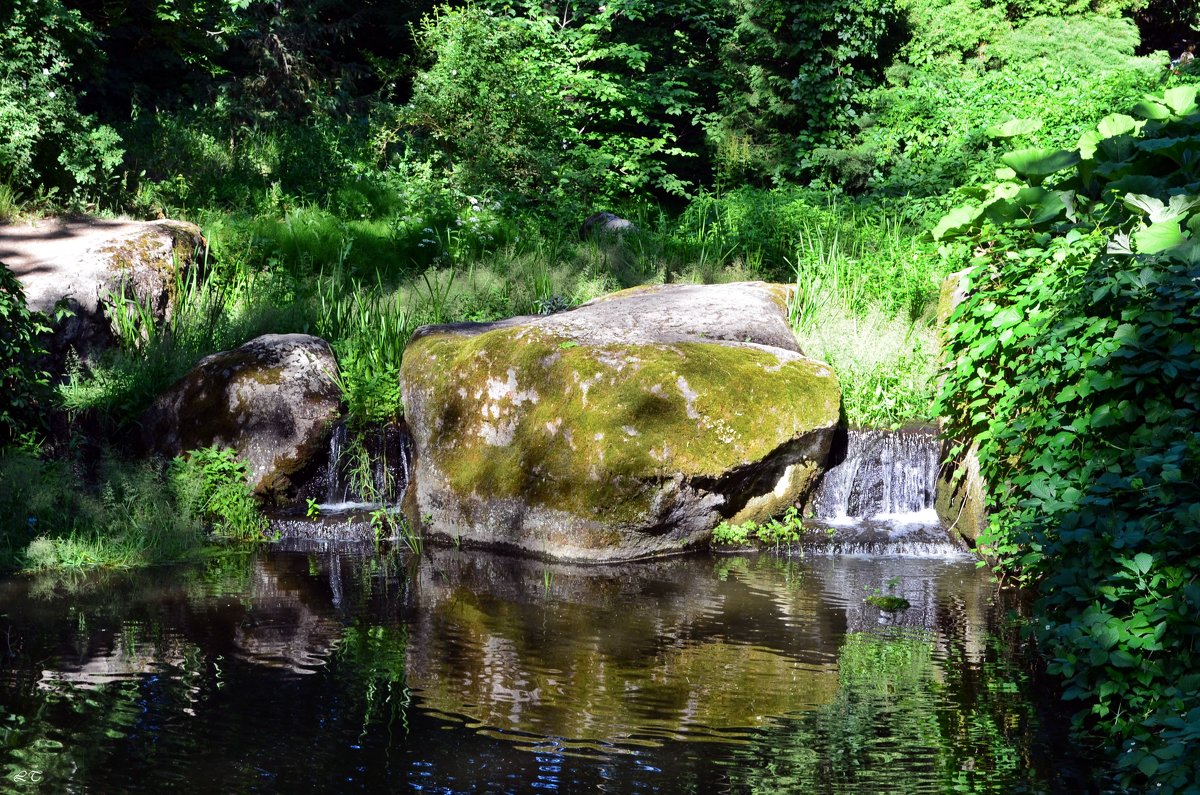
{"x": 336, "y": 489}
{"x": 878, "y": 497}
{"x": 881, "y": 474}
{"x": 388, "y": 457}
{"x": 344, "y": 512}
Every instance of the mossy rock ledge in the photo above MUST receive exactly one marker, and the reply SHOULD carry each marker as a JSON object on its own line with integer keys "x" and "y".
{"x": 273, "y": 400}
{"x": 626, "y": 428}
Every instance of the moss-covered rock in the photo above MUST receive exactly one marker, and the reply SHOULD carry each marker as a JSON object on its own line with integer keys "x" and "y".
{"x": 273, "y": 400}
{"x": 961, "y": 495}
{"x": 626, "y": 428}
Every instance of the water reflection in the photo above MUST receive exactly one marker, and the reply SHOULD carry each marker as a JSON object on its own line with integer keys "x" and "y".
{"x": 341, "y": 670}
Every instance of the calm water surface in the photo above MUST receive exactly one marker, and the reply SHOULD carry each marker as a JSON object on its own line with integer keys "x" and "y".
{"x": 338, "y": 671}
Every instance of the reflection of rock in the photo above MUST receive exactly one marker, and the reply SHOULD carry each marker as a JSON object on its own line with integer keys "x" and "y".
{"x": 128, "y": 655}
{"x": 287, "y": 625}
{"x": 625, "y": 428}
{"x": 614, "y": 655}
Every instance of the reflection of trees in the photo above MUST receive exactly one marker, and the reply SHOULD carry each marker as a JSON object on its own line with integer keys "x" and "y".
{"x": 199, "y": 670}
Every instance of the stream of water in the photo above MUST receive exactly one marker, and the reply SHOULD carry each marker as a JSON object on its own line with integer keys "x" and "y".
{"x": 341, "y": 670}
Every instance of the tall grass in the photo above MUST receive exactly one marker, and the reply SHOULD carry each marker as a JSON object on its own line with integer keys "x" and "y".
{"x": 47, "y": 521}
{"x": 886, "y": 363}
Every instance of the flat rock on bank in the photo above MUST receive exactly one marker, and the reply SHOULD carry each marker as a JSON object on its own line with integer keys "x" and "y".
{"x": 626, "y": 428}
{"x": 273, "y": 400}
{"x": 93, "y": 263}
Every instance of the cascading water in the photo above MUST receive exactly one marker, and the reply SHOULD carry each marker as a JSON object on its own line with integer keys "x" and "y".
{"x": 342, "y": 511}
{"x": 388, "y": 453}
{"x": 878, "y": 498}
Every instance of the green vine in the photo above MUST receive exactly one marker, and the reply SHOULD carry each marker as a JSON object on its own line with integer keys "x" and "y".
{"x": 1075, "y": 363}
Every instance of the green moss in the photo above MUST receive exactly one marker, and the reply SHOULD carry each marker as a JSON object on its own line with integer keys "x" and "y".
{"x": 596, "y": 430}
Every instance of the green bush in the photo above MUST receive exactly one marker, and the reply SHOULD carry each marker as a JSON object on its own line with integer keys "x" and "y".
{"x": 48, "y": 145}
{"x": 1074, "y": 364}
{"x": 923, "y": 132}
{"x": 210, "y": 486}
{"x": 24, "y": 384}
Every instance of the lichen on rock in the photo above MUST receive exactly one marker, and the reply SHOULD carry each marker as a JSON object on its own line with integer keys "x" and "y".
{"x": 565, "y": 437}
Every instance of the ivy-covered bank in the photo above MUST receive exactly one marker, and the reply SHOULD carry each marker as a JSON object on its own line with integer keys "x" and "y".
{"x": 1075, "y": 362}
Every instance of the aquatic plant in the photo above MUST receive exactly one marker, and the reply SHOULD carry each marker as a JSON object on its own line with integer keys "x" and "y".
{"x": 889, "y": 602}
{"x": 786, "y": 529}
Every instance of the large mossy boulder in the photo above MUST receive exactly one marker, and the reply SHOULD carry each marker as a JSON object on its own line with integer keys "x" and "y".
{"x": 626, "y": 428}
{"x": 274, "y": 400}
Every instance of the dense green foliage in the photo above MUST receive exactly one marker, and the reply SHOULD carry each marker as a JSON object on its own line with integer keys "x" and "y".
{"x": 48, "y": 144}
{"x": 23, "y": 380}
{"x": 1075, "y": 362}
{"x": 361, "y": 169}
{"x": 210, "y": 486}
{"x": 138, "y": 515}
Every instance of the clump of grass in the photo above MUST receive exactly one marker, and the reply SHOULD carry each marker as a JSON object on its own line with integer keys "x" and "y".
{"x": 129, "y": 519}
{"x": 209, "y": 487}
{"x": 10, "y": 206}
{"x": 886, "y": 363}
{"x": 124, "y": 514}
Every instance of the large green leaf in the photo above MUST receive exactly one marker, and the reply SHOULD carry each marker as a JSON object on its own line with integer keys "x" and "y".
{"x": 956, "y": 221}
{"x": 1035, "y": 205}
{"x": 1088, "y": 142}
{"x": 1159, "y": 211}
{"x": 1117, "y": 149}
{"x": 1174, "y": 148}
{"x": 1118, "y": 124}
{"x": 1013, "y": 127}
{"x": 1181, "y": 99}
{"x": 1151, "y": 109}
{"x": 1138, "y": 183}
{"x": 1035, "y": 164}
{"x": 1159, "y": 237}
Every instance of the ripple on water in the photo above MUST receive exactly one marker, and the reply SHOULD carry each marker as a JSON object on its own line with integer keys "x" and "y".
{"x": 337, "y": 671}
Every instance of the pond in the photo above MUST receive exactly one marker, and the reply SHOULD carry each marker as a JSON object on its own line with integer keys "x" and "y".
{"x": 324, "y": 668}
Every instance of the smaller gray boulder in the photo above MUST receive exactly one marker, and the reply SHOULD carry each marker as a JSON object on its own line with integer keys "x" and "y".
{"x": 606, "y": 226}
{"x": 274, "y": 400}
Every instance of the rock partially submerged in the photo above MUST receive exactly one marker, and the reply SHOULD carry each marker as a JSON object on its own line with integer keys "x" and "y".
{"x": 273, "y": 400}
{"x": 626, "y": 428}
{"x": 98, "y": 266}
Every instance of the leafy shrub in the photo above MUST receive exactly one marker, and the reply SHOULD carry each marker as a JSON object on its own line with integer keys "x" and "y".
{"x": 491, "y": 102}
{"x": 782, "y": 530}
{"x": 1073, "y": 363}
{"x": 923, "y": 132}
{"x": 48, "y": 144}
{"x": 25, "y": 386}
{"x": 798, "y": 71}
{"x": 210, "y": 486}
